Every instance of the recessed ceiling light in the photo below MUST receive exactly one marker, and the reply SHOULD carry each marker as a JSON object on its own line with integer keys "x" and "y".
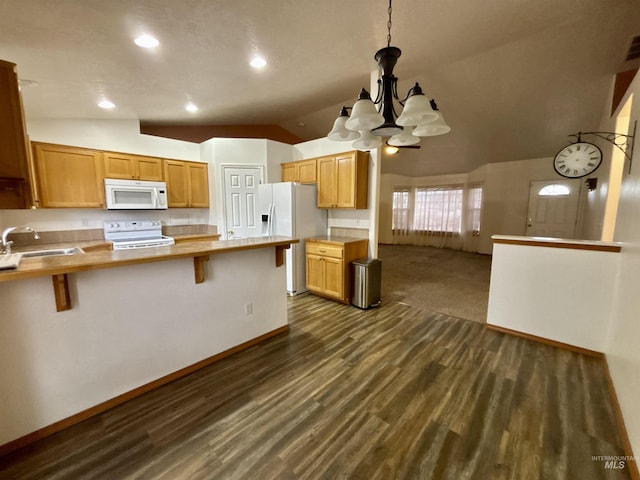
{"x": 258, "y": 62}
{"x": 106, "y": 104}
{"x": 147, "y": 41}
{"x": 190, "y": 107}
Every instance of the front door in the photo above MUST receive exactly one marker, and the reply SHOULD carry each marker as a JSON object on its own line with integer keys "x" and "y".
{"x": 240, "y": 198}
{"x": 553, "y": 208}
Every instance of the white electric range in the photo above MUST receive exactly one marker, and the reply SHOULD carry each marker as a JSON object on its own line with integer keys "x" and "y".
{"x": 126, "y": 234}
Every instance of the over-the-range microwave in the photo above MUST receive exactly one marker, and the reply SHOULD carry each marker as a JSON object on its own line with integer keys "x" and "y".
{"x": 135, "y": 194}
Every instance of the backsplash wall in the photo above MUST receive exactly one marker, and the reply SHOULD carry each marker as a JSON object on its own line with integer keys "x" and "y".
{"x": 53, "y": 219}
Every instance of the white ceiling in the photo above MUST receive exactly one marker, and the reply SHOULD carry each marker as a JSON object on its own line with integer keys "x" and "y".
{"x": 512, "y": 77}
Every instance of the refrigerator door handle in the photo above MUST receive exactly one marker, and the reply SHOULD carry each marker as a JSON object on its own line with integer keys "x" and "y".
{"x": 272, "y": 209}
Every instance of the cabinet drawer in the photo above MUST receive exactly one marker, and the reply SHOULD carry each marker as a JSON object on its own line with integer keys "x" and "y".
{"x": 325, "y": 250}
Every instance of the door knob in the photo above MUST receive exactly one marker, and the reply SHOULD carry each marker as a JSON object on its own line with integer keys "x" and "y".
{"x": 230, "y": 232}
{"x": 529, "y": 222}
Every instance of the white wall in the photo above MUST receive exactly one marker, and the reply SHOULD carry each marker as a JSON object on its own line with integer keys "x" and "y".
{"x": 623, "y": 354}
{"x": 505, "y": 195}
{"x": 555, "y": 293}
{"x": 277, "y": 153}
{"x": 119, "y": 136}
{"x": 218, "y": 152}
{"x": 114, "y": 135}
{"x": 127, "y": 328}
{"x": 387, "y": 183}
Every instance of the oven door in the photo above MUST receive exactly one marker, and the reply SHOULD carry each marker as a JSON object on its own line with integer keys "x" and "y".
{"x": 131, "y": 198}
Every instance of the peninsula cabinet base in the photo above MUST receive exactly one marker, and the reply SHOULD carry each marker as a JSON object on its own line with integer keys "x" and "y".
{"x": 104, "y": 406}
{"x": 131, "y": 329}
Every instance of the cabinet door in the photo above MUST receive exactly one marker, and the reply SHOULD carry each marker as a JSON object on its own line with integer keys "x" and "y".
{"x": 122, "y": 165}
{"x": 346, "y": 177}
{"x": 12, "y": 195}
{"x": 327, "y": 192}
{"x": 289, "y": 172}
{"x": 69, "y": 176}
{"x": 315, "y": 273}
{"x": 333, "y": 277}
{"x": 149, "y": 169}
{"x": 13, "y": 139}
{"x": 119, "y": 165}
{"x": 177, "y": 178}
{"x": 198, "y": 184}
{"x": 307, "y": 171}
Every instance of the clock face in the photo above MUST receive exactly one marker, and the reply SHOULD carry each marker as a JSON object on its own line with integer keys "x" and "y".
{"x": 577, "y": 160}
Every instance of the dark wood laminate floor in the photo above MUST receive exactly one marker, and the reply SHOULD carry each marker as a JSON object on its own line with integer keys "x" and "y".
{"x": 390, "y": 393}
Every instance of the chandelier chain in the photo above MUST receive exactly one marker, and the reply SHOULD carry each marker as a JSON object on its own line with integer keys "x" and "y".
{"x": 389, "y": 26}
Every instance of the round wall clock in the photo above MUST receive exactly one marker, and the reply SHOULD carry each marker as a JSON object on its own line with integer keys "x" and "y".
{"x": 577, "y": 160}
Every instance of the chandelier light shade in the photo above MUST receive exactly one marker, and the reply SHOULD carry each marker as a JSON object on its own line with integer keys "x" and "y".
{"x": 339, "y": 132}
{"x": 417, "y": 109}
{"x": 419, "y": 118}
{"x": 404, "y": 139}
{"x": 364, "y": 115}
{"x": 367, "y": 141}
{"x": 433, "y": 128}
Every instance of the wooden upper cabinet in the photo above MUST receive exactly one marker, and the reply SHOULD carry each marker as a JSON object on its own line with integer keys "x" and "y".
{"x": 69, "y": 176}
{"x": 135, "y": 167}
{"x": 289, "y": 172}
{"x": 198, "y": 184}
{"x": 327, "y": 182}
{"x": 307, "y": 171}
{"x": 187, "y": 184}
{"x": 13, "y": 138}
{"x": 175, "y": 174}
{"x": 343, "y": 180}
{"x": 303, "y": 171}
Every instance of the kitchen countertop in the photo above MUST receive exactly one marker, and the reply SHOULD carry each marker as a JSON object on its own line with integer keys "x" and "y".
{"x": 558, "y": 243}
{"x": 337, "y": 240}
{"x": 101, "y": 259}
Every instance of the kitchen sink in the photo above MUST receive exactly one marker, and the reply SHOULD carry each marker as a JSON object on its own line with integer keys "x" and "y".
{"x": 52, "y": 252}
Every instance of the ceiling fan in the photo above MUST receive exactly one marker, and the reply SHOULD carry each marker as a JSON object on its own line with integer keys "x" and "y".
{"x": 393, "y": 149}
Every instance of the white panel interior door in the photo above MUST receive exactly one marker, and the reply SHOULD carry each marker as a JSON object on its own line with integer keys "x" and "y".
{"x": 240, "y": 199}
{"x": 553, "y": 208}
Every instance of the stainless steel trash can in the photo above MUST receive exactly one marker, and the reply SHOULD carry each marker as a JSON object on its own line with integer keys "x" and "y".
{"x": 367, "y": 274}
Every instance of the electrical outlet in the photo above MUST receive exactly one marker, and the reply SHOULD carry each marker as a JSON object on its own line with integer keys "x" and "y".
{"x": 248, "y": 309}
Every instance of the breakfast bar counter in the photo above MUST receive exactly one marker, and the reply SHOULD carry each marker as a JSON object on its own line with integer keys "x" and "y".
{"x": 137, "y": 319}
{"x": 94, "y": 260}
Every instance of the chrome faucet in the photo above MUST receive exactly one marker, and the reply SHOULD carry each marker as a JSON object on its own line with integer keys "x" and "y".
{"x": 7, "y": 244}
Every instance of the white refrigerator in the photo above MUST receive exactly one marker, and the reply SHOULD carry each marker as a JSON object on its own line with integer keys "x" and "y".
{"x": 290, "y": 209}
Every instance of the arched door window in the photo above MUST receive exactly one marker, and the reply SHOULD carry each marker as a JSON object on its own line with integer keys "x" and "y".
{"x": 554, "y": 190}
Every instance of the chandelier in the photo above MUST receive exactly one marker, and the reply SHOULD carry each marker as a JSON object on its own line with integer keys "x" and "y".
{"x": 367, "y": 125}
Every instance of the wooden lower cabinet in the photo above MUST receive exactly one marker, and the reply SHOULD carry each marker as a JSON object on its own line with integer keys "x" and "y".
{"x": 329, "y": 265}
{"x": 69, "y": 177}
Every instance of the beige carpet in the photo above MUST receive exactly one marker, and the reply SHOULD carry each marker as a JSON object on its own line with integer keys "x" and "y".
{"x": 436, "y": 279}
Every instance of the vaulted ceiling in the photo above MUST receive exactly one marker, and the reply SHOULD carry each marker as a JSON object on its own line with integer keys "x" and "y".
{"x": 512, "y": 77}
